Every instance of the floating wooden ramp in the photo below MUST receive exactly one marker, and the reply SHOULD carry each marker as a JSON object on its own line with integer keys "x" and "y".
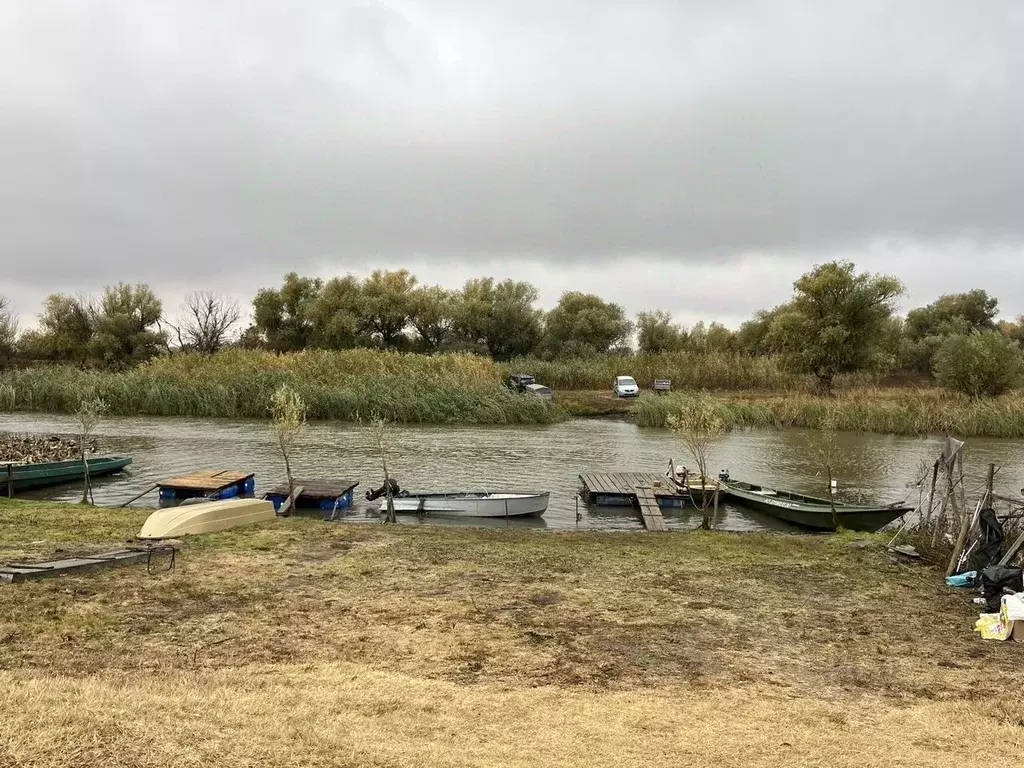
{"x": 650, "y": 512}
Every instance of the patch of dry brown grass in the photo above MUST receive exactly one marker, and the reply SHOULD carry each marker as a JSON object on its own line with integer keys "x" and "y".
{"x": 306, "y": 643}
{"x": 348, "y": 715}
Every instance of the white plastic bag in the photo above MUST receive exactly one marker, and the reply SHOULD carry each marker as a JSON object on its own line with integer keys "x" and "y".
{"x": 1013, "y": 607}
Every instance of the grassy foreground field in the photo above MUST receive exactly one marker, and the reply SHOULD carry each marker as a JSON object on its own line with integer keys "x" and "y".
{"x": 303, "y": 643}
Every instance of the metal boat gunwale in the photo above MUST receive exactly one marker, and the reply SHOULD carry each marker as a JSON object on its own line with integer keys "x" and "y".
{"x": 786, "y": 499}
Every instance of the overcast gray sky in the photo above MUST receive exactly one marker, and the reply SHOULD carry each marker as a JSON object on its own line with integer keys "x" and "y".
{"x": 690, "y": 156}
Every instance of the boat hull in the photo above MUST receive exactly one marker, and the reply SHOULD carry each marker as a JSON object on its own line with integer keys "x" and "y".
{"x": 815, "y": 514}
{"x": 472, "y": 504}
{"x": 46, "y": 474}
{"x": 207, "y": 517}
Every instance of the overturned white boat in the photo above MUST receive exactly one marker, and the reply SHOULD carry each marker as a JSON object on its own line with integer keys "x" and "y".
{"x": 207, "y": 517}
{"x": 471, "y": 504}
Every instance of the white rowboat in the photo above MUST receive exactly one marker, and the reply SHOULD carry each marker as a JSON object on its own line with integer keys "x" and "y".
{"x": 471, "y": 504}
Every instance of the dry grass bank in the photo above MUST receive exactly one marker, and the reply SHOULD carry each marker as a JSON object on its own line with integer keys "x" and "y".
{"x": 301, "y": 643}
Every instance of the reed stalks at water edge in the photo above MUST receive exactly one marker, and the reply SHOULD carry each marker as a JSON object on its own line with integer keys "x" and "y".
{"x": 899, "y": 412}
{"x": 469, "y": 389}
{"x": 444, "y": 389}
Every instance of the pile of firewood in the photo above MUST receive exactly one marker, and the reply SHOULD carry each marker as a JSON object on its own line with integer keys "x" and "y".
{"x": 33, "y": 449}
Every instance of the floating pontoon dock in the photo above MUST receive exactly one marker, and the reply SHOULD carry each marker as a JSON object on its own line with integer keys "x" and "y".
{"x": 328, "y": 495}
{"x": 208, "y": 483}
{"x": 647, "y": 490}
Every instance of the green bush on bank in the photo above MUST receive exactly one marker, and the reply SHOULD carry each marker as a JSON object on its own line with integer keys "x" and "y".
{"x": 984, "y": 364}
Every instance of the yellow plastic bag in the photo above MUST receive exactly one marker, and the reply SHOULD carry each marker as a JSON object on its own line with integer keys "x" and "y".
{"x": 993, "y": 626}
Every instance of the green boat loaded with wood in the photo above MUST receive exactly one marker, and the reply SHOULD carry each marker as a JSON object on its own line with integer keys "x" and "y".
{"x": 810, "y": 511}
{"x": 24, "y": 477}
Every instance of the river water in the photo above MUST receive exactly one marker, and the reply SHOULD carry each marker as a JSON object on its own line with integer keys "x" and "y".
{"x": 548, "y": 458}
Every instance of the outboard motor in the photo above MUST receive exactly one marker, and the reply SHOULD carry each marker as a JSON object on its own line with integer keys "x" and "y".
{"x": 373, "y": 495}
{"x": 724, "y": 475}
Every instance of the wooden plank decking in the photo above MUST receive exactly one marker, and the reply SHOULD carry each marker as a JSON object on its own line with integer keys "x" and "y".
{"x": 316, "y": 490}
{"x": 623, "y": 483}
{"x": 641, "y": 489}
{"x": 649, "y": 509}
{"x": 207, "y": 480}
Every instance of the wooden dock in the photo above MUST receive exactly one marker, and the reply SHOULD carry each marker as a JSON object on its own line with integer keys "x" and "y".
{"x": 648, "y": 491}
{"x": 214, "y": 483}
{"x": 326, "y": 494}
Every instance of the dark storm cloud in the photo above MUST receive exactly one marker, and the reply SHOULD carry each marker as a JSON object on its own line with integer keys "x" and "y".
{"x": 162, "y": 141}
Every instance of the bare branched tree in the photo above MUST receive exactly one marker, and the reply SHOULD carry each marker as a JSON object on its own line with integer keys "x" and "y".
{"x": 89, "y": 414}
{"x": 382, "y": 442}
{"x": 699, "y": 427}
{"x": 288, "y": 415}
{"x": 206, "y": 321}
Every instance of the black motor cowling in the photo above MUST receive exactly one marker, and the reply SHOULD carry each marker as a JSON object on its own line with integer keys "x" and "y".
{"x": 374, "y": 494}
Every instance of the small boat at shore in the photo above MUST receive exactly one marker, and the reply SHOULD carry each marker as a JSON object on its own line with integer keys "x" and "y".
{"x": 44, "y": 474}
{"x": 471, "y": 504}
{"x": 810, "y": 511}
{"x": 206, "y": 517}
{"x": 693, "y": 486}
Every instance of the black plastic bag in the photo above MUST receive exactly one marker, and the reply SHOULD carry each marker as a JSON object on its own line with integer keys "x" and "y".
{"x": 995, "y": 579}
{"x": 989, "y": 549}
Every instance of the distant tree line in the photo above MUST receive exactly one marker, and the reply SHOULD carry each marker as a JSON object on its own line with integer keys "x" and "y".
{"x": 838, "y": 321}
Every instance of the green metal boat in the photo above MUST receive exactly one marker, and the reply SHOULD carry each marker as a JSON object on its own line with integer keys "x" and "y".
{"x": 809, "y": 511}
{"x": 25, "y": 477}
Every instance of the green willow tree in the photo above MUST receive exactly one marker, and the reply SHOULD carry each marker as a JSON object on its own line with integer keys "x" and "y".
{"x": 433, "y": 312}
{"x": 582, "y": 324}
{"x": 332, "y": 317}
{"x": 835, "y": 322}
{"x": 656, "y": 333}
{"x": 500, "y": 317}
{"x": 127, "y": 325}
{"x": 385, "y": 304}
{"x": 67, "y": 324}
{"x": 955, "y": 314}
{"x": 983, "y": 364}
{"x": 282, "y": 316}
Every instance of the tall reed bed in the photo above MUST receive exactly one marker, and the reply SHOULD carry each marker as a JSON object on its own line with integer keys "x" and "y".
{"x": 896, "y": 411}
{"x": 688, "y": 370}
{"x": 204, "y": 389}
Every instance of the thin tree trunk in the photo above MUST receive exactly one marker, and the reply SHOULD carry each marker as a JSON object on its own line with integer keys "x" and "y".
{"x": 87, "y": 488}
{"x": 389, "y": 516}
{"x": 832, "y": 497}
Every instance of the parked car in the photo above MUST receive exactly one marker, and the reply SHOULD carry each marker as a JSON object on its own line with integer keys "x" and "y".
{"x": 625, "y": 386}
{"x": 519, "y": 381}
{"x": 538, "y": 390}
